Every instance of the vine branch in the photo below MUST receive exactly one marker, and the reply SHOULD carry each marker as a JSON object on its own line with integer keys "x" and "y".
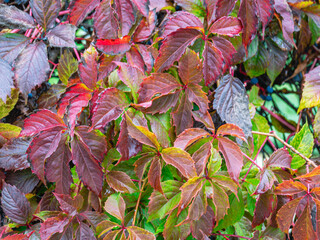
{"x": 138, "y": 202}
{"x": 273, "y": 134}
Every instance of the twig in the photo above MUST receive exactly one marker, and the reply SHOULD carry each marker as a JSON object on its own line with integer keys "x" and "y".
{"x": 280, "y": 119}
{"x": 250, "y": 159}
{"x": 138, "y": 202}
{"x": 272, "y": 134}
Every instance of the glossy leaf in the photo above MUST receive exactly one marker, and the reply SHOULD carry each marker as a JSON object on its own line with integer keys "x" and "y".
{"x": 31, "y": 67}
{"x": 143, "y": 6}
{"x": 189, "y": 136}
{"x": 53, "y": 225}
{"x": 310, "y": 93}
{"x": 233, "y": 157}
{"x": 227, "y": 26}
{"x": 88, "y": 68}
{"x": 67, "y": 66}
{"x": 279, "y": 158}
{"x": 125, "y": 14}
{"x": 24, "y": 180}
{"x": 84, "y": 232}
{"x": 227, "y": 50}
{"x": 45, "y": 12}
{"x": 263, "y": 209}
{"x": 265, "y": 9}
{"x": 249, "y": 19}
{"x": 160, "y": 204}
{"x": 7, "y": 80}
{"x": 43, "y": 120}
{"x": 146, "y": 28}
{"x": 267, "y": 179}
{"x": 231, "y": 102}
{"x": 201, "y": 157}
{"x": 121, "y": 182}
{"x": 182, "y": 114}
{"x": 174, "y": 46}
{"x": 154, "y": 174}
{"x": 11, "y": 44}
{"x": 180, "y": 160}
{"x": 15, "y": 205}
{"x": 114, "y": 46}
{"x": 62, "y": 36}
{"x": 109, "y": 107}
{"x": 257, "y": 65}
{"x": 13, "y": 155}
{"x": 116, "y": 206}
{"x": 212, "y": 62}
{"x": 232, "y": 130}
{"x": 80, "y": 9}
{"x": 87, "y": 166}
{"x": 137, "y": 233}
{"x": 12, "y": 17}
{"x": 69, "y": 205}
{"x": 157, "y": 83}
{"x": 290, "y": 187}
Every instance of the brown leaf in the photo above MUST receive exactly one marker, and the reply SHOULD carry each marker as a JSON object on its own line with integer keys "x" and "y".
{"x": 116, "y": 206}
{"x": 154, "y": 174}
{"x": 121, "y": 182}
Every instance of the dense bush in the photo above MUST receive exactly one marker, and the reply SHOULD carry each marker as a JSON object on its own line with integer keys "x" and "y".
{"x": 157, "y": 119}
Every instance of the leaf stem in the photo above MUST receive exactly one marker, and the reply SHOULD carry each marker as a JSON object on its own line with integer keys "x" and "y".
{"x": 273, "y": 134}
{"x": 138, "y": 202}
{"x": 250, "y": 159}
{"x": 280, "y": 119}
{"x": 230, "y": 235}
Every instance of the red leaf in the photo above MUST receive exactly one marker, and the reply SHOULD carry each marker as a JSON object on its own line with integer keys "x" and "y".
{"x": 41, "y": 148}
{"x": 53, "y": 225}
{"x": 115, "y": 206}
{"x": 190, "y": 136}
{"x": 106, "y": 65}
{"x": 80, "y": 9}
{"x": 127, "y": 146}
{"x": 142, "y": 134}
{"x": 212, "y": 62}
{"x": 220, "y": 201}
{"x": 189, "y": 190}
{"x": 233, "y": 156}
{"x": 88, "y": 68}
{"x": 286, "y": 213}
{"x": 180, "y": 19}
{"x": 263, "y": 209}
{"x": 121, "y": 182}
{"x": 180, "y": 160}
{"x": 131, "y": 76}
{"x": 43, "y": 120}
{"x": 202, "y": 229}
{"x": 267, "y": 179}
{"x": 147, "y": 55}
{"x": 70, "y": 205}
{"x": 265, "y": 9}
{"x": 227, "y": 50}
{"x": 7, "y": 80}
{"x": 11, "y": 17}
{"x": 204, "y": 118}
{"x": 154, "y": 174}
{"x": 15, "y": 205}
{"x": 232, "y": 130}
{"x": 20, "y": 236}
{"x": 182, "y": 115}
{"x": 282, "y": 7}
{"x": 228, "y": 26}
{"x": 105, "y": 22}
{"x": 87, "y": 166}
{"x": 190, "y": 69}
{"x": 303, "y": 228}
{"x": 249, "y": 19}
{"x": 143, "y": 6}
{"x": 84, "y": 232}
{"x": 62, "y": 36}
{"x": 198, "y": 207}
{"x": 290, "y": 187}
{"x": 57, "y": 167}
{"x": 280, "y": 158}
{"x": 77, "y": 91}
{"x": 135, "y": 59}
{"x": 31, "y": 67}
{"x": 13, "y": 155}
{"x": 137, "y": 233}
{"x": 11, "y": 44}
{"x": 125, "y": 13}
{"x": 312, "y": 177}
{"x": 231, "y": 103}
{"x": 224, "y": 7}
{"x": 174, "y": 46}
{"x": 157, "y": 83}
{"x": 45, "y": 12}
{"x": 145, "y": 28}
{"x": 141, "y": 164}
{"x": 201, "y": 157}
{"x": 109, "y": 107}
{"x": 114, "y": 46}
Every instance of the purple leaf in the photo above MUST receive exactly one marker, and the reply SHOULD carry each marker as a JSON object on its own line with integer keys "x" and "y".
{"x": 228, "y": 26}
{"x": 6, "y": 80}
{"x": 24, "y": 180}
{"x": 126, "y": 15}
{"x": 12, "y": 17}
{"x": 84, "y": 232}
{"x": 45, "y": 12}
{"x": 15, "y": 205}
{"x": 62, "y": 36}
{"x": 80, "y": 10}
{"x": 31, "y": 67}
{"x": 88, "y": 68}
{"x": 11, "y": 44}
{"x": 53, "y": 225}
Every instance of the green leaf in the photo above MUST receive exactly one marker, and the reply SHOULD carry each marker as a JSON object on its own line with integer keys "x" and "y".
{"x": 9, "y": 131}
{"x": 67, "y": 66}
{"x": 259, "y": 124}
{"x": 257, "y": 65}
{"x": 115, "y": 206}
{"x": 316, "y": 124}
{"x": 214, "y": 164}
{"x": 254, "y": 97}
{"x": 6, "y": 107}
{"x": 234, "y": 213}
{"x": 303, "y": 142}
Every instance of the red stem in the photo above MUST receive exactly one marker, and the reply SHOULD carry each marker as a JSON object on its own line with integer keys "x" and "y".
{"x": 280, "y": 119}
{"x": 77, "y": 54}
{"x": 249, "y": 158}
{"x": 272, "y": 145}
{"x": 64, "y": 12}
